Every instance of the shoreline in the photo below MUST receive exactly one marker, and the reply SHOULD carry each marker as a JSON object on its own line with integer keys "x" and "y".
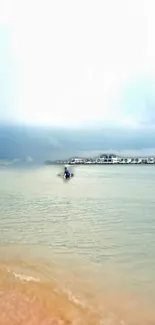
{"x": 99, "y": 164}
{"x": 103, "y": 159}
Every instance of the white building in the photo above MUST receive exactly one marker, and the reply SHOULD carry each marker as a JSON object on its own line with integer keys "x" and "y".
{"x": 115, "y": 160}
{"x": 77, "y": 161}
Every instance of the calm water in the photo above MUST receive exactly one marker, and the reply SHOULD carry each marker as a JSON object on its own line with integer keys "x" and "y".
{"x": 77, "y": 252}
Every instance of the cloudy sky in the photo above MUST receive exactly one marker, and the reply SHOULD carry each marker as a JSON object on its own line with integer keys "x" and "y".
{"x": 78, "y": 62}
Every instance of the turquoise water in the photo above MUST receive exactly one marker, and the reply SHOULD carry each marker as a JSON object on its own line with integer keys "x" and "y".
{"x": 95, "y": 233}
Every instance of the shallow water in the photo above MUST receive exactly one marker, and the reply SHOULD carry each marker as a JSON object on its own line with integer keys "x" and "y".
{"x": 77, "y": 252}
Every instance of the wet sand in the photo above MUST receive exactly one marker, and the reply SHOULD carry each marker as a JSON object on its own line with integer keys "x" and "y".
{"x": 33, "y": 293}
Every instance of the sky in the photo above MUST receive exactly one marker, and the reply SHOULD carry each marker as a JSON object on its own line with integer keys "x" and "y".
{"x": 76, "y": 63}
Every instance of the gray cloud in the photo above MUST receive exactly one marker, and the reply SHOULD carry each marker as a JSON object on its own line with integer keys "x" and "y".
{"x": 23, "y": 141}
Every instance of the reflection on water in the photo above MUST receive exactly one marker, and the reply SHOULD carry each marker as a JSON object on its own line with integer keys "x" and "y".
{"x": 77, "y": 253}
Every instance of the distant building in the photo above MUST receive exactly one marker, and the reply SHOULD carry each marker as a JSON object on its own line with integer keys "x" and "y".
{"x": 106, "y": 159}
{"x": 77, "y": 161}
{"x": 115, "y": 160}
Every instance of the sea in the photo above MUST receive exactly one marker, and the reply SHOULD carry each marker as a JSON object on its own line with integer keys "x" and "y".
{"x": 78, "y": 252}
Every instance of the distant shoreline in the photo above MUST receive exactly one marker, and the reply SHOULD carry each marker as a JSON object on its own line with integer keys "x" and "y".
{"x": 104, "y": 159}
{"x": 125, "y": 164}
{"x": 98, "y": 164}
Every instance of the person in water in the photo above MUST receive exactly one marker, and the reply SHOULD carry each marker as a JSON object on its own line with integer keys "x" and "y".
{"x": 66, "y": 173}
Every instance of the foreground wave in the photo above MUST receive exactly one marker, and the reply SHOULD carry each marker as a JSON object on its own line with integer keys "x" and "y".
{"x": 32, "y": 293}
